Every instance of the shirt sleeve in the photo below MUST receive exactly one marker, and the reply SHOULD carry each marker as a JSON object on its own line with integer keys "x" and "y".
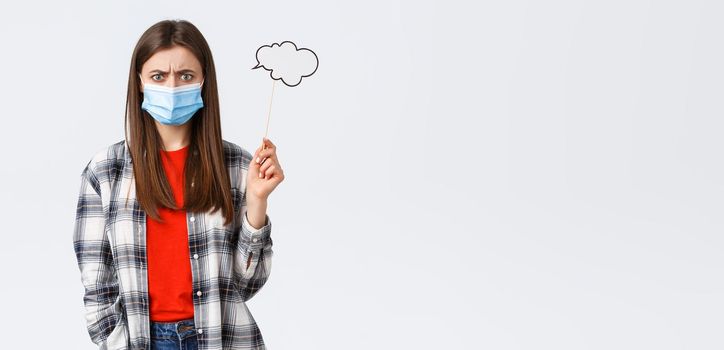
{"x": 252, "y": 273}
{"x": 103, "y": 309}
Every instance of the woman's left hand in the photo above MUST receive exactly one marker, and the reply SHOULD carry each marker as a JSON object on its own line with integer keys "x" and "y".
{"x": 266, "y": 163}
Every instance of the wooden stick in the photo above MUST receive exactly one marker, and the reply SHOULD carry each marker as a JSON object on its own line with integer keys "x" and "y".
{"x": 263, "y": 145}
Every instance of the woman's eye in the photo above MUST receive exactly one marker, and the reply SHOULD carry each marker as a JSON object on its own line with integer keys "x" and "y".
{"x": 186, "y": 77}
{"x": 156, "y": 76}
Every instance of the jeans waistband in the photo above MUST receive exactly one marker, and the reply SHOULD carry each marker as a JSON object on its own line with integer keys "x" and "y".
{"x": 176, "y": 329}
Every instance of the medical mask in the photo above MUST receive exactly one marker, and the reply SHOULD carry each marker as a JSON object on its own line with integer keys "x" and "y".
{"x": 172, "y": 105}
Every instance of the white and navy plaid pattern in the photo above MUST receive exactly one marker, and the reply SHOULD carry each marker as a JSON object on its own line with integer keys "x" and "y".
{"x": 110, "y": 246}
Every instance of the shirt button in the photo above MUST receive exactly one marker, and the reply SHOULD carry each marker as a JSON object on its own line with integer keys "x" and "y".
{"x": 198, "y": 293}
{"x": 192, "y": 219}
{"x": 196, "y": 256}
{"x": 255, "y": 240}
{"x": 201, "y": 330}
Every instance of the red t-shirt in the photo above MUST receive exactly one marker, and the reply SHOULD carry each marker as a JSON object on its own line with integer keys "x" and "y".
{"x": 167, "y": 246}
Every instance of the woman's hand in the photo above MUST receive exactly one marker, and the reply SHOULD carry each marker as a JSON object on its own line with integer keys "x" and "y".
{"x": 264, "y": 173}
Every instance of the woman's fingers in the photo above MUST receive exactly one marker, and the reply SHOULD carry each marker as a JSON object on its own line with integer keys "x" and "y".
{"x": 268, "y": 143}
{"x": 265, "y": 156}
{"x": 263, "y": 167}
{"x": 267, "y": 164}
{"x": 265, "y": 144}
{"x": 267, "y": 153}
{"x": 268, "y": 172}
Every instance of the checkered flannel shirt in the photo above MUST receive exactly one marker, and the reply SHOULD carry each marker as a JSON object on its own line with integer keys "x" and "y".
{"x": 110, "y": 246}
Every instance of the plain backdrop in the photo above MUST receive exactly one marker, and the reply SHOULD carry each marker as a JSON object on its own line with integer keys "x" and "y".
{"x": 459, "y": 175}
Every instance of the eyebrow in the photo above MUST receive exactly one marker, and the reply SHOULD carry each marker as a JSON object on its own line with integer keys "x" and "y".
{"x": 180, "y": 71}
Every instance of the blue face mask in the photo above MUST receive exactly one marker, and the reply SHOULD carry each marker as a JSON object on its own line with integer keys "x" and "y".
{"x": 172, "y": 106}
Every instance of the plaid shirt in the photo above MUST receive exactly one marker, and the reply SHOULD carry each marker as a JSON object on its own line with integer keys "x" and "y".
{"x": 110, "y": 246}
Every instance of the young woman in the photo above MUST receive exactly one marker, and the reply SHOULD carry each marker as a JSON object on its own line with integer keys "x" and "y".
{"x": 171, "y": 232}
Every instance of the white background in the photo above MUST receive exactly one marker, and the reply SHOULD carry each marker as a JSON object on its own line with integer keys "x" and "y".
{"x": 459, "y": 175}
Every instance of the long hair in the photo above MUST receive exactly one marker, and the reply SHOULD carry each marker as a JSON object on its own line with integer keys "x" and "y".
{"x": 206, "y": 179}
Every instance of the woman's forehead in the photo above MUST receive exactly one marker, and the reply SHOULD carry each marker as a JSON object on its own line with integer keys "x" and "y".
{"x": 175, "y": 59}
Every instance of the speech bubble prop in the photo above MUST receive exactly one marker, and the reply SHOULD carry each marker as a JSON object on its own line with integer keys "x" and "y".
{"x": 286, "y": 62}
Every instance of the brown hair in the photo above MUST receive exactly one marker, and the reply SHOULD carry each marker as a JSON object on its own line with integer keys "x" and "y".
{"x": 207, "y": 184}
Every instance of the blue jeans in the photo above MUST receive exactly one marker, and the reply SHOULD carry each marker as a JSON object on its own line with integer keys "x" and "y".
{"x": 179, "y": 335}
